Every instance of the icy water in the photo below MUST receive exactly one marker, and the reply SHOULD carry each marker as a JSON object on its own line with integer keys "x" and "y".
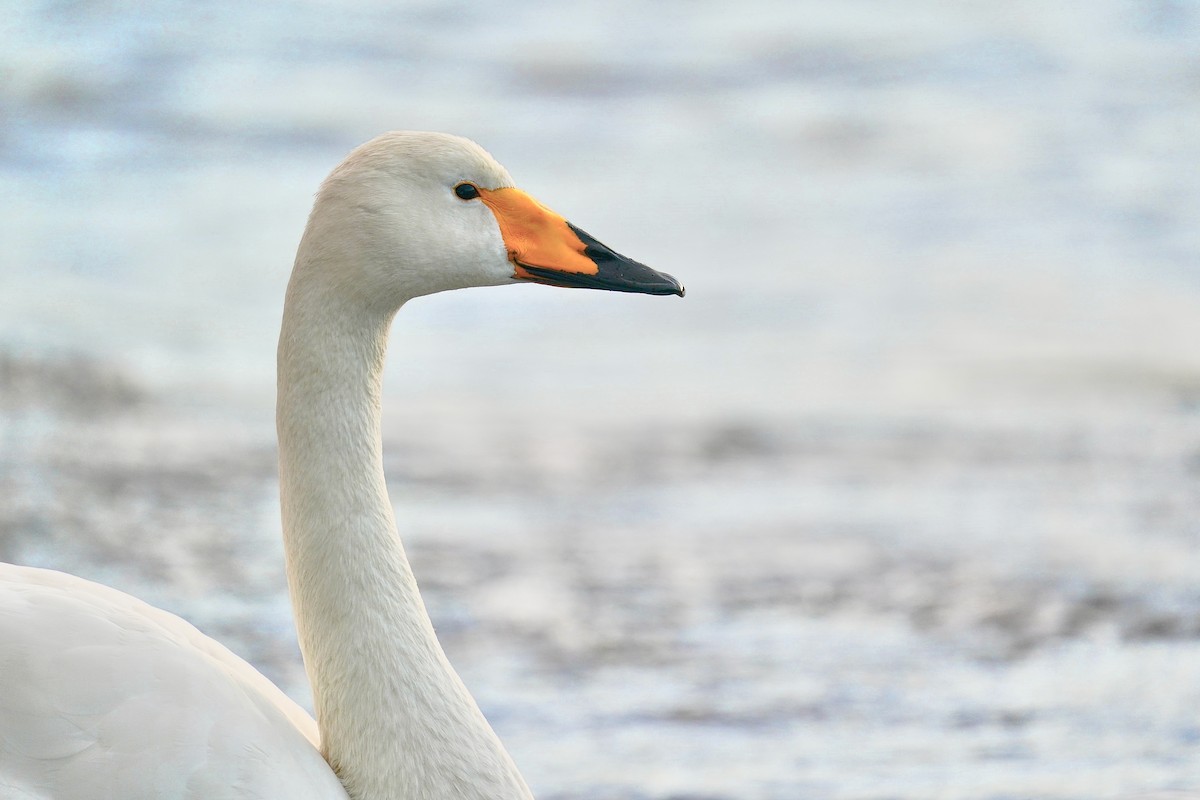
{"x": 901, "y": 501}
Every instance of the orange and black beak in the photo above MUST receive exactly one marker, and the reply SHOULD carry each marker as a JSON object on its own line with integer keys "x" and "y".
{"x": 545, "y": 248}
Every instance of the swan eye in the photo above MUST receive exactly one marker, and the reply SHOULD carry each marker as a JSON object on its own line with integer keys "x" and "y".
{"x": 466, "y": 191}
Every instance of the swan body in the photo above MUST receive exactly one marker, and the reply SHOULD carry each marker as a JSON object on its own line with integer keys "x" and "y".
{"x": 103, "y": 696}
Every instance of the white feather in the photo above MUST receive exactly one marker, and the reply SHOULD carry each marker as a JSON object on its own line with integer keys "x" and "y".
{"x": 104, "y": 696}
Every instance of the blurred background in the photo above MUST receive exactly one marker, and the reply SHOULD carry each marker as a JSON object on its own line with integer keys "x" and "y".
{"x": 901, "y": 501}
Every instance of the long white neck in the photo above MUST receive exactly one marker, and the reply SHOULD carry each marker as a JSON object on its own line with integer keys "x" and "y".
{"x": 396, "y": 721}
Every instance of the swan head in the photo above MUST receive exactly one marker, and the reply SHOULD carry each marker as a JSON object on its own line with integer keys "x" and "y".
{"x": 413, "y": 213}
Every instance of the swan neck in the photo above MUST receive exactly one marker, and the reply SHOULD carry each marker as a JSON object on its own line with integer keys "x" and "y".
{"x": 394, "y": 718}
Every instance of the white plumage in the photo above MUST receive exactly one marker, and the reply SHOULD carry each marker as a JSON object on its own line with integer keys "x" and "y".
{"x": 104, "y": 697}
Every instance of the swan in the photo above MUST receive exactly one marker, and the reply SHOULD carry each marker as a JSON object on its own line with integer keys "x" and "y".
{"x": 103, "y": 696}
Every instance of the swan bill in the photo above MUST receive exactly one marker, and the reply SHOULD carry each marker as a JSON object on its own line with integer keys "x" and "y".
{"x": 545, "y": 248}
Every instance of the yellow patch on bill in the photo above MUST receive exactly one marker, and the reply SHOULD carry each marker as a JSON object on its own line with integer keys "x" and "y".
{"x": 535, "y": 236}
